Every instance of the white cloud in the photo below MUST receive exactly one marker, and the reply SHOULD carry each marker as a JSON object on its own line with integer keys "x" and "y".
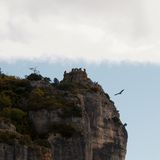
{"x": 93, "y": 31}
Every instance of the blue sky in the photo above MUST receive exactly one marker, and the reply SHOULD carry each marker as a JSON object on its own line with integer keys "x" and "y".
{"x": 118, "y": 42}
{"x": 139, "y": 104}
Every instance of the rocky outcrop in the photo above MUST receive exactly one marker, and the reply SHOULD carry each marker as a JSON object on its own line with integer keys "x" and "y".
{"x": 86, "y": 127}
{"x": 14, "y": 146}
{"x": 76, "y": 75}
{"x": 101, "y": 136}
{"x": 7, "y": 126}
{"x": 17, "y": 151}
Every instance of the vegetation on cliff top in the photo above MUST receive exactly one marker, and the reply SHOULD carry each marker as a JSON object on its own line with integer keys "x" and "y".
{"x": 19, "y": 96}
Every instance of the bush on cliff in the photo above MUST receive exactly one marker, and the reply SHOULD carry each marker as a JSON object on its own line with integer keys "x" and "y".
{"x": 34, "y": 77}
{"x": 5, "y": 101}
{"x": 10, "y": 137}
{"x": 18, "y": 97}
{"x": 14, "y": 114}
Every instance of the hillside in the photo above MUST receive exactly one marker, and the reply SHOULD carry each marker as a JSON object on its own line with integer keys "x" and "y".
{"x": 73, "y": 119}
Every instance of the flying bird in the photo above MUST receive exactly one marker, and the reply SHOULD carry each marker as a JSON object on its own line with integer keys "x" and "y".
{"x": 119, "y": 92}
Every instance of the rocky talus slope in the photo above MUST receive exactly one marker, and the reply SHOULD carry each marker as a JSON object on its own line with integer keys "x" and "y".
{"x": 73, "y": 119}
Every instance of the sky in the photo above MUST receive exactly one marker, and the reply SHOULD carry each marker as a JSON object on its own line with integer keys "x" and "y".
{"x": 59, "y": 29}
{"x": 118, "y": 42}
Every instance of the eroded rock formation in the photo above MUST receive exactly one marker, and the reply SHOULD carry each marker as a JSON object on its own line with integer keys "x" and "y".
{"x": 86, "y": 127}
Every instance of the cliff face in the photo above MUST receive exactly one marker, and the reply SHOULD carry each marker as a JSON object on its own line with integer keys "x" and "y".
{"x": 21, "y": 152}
{"x": 86, "y": 127}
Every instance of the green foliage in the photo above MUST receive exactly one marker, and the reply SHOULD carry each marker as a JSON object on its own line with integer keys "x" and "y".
{"x": 10, "y": 137}
{"x": 67, "y": 86}
{"x": 56, "y": 81}
{"x": 71, "y": 111}
{"x": 38, "y": 93}
{"x": 5, "y": 101}
{"x": 41, "y": 98}
{"x": 34, "y": 77}
{"x": 47, "y": 79}
{"x": 15, "y": 84}
{"x": 14, "y": 114}
{"x": 13, "y": 90}
{"x": 9, "y": 93}
{"x": 24, "y": 126}
{"x": 17, "y": 97}
{"x": 74, "y": 87}
{"x": 17, "y": 117}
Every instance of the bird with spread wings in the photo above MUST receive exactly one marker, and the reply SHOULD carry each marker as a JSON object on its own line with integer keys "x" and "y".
{"x": 119, "y": 92}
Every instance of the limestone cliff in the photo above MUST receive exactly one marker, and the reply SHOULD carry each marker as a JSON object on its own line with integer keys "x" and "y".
{"x": 75, "y": 117}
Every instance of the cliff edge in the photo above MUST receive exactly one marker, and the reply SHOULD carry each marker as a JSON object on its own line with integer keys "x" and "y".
{"x": 73, "y": 119}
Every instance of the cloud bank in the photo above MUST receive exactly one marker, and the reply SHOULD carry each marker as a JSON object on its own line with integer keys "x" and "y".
{"x": 89, "y": 30}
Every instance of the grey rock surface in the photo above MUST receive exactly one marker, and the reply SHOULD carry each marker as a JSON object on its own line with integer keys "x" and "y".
{"x": 22, "y": 152}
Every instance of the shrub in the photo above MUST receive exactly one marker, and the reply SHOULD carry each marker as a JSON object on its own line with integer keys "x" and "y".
{"x": 44, "y": 102}
{"x": 56, "y": 81}
{"x": 46, "y": 79}
{"x": 10, "y": 137}
{"x": 71, "y": 111}
{"x": 34, "y": 77}
{"x": 14, "y": 114}
{"x": 37, "y": 93}
{"x": 17, "y": 117}
{"x": 67, "y": 86}
{"x": 5, "y": 101}
{"x": 41, "y": 98}
{"x": 24, "y": 126}
{"x": 16, "y": 85}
